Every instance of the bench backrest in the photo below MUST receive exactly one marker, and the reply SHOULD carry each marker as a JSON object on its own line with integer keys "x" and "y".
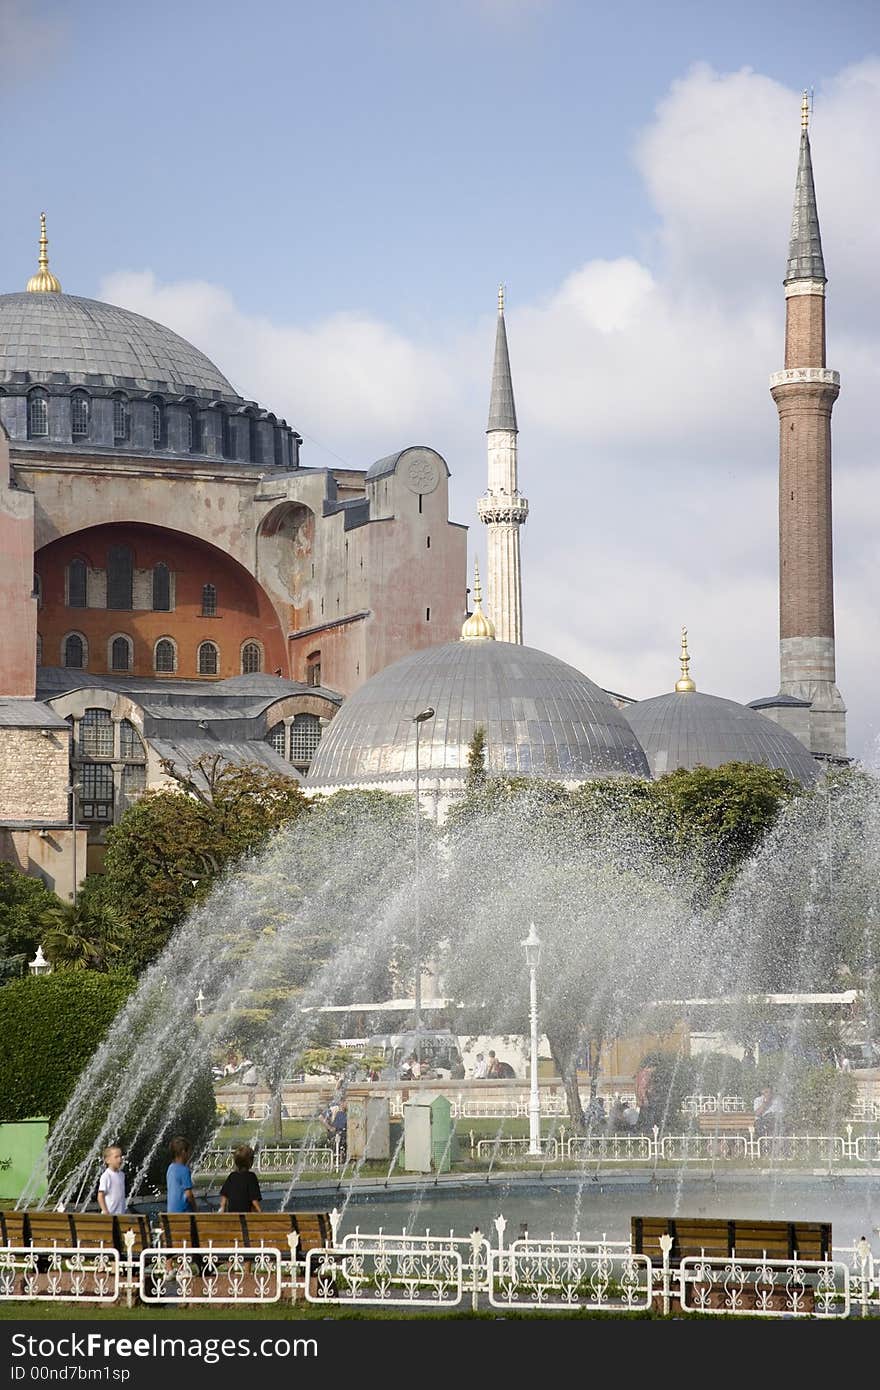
{"x": 50, "y": 1228}
{"x": 779, "y": 1240}
{"x": 12, "y": 1228}
{"x": 221, "y": 1228}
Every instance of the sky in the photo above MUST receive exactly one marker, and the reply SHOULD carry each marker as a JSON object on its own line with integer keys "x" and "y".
{"x": 323, "y": 198}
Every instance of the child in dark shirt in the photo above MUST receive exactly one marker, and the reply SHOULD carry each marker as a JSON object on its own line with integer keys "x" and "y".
{"x": 241, "y": 1190}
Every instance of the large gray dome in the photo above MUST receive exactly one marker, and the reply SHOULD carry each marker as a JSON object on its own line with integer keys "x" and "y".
{"x": 542, "y": 718}
{"x": 97, "y": 344}
{"x": 689, "y": 729}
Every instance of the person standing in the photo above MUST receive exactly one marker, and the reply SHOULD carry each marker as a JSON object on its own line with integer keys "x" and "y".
{"x": 241, "y": 1190}
{"x": 479, "y": 1072}
{"x": 111, "y": 1185}
{"x": 178, "y": 1179}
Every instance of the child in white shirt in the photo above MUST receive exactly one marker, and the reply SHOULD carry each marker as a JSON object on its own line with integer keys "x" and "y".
{"x": 111, "y": 1187}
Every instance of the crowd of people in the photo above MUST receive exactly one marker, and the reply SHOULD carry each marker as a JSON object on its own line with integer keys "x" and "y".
{"x": 239, "y": 1193}
{"x": 491, "y": 1068}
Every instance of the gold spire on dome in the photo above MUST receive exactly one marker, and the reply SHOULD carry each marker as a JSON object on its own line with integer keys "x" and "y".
{"x": 478, "y": 628}
{"x": 805, "y": 110}
{"x": 44, "y": 282}
{"x": 685, "y": 685}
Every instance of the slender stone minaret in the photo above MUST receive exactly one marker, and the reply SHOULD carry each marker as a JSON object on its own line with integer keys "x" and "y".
{"x": 503, "y": 509}
{"x": 805, "y": 393}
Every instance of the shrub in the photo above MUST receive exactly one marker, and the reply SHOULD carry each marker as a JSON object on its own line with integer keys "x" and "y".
{"x": 820, "y": 1101}
{"x": 50, "y": 1025}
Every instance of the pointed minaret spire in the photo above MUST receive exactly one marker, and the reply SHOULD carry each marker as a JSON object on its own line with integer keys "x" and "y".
{"x": 44, "y": 282}
{"x": 502, "y": 410}
{"x": 805, "y": 392}
{"x": 805, "y": 260}
{"x": 503, "y": 509}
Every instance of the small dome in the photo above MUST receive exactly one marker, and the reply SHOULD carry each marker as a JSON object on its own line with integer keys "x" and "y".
{"x": 689, "y": 729}
{"x": 46, "y": 333}
{"x": 542, "y": 719}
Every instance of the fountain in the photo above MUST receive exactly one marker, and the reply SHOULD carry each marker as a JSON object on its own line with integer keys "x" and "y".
{"x": 324, "y": 915}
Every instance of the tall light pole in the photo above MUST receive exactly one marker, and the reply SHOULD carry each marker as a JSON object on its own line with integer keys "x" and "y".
{"x": 532, "y": 947}
{"x": 418, "y": 720}
{"x": 72, "y": 791}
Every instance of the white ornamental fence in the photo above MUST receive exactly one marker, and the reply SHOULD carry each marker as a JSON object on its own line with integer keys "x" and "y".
{"x": 436, "y": 1272}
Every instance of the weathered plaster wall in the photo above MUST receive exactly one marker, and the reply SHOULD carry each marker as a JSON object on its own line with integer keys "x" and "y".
{"x": 18, "y": 668}
{"x": 34, "y": 774}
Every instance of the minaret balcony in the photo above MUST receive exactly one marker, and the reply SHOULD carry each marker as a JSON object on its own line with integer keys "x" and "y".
{"x": 502, "y": 509}
{"x": 810, "y": 376}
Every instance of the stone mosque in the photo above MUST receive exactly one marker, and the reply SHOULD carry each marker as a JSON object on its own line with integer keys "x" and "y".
{"x": 178, "y": 581}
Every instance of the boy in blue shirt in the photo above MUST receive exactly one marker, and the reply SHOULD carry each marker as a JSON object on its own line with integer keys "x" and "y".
{"x": 178, "y": 1179}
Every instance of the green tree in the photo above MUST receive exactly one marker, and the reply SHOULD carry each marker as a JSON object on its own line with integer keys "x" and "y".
{"x": 721, "y": 815}
{"x": 168, "y": 849}
{"x": 476, "y": 758}
{"x": 27, "y": 907}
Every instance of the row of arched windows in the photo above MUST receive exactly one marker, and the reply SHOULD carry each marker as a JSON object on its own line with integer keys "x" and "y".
{"x": 75, "y": 655}
{"x": 80, "y": 406}
{"x": 120, "y": 584}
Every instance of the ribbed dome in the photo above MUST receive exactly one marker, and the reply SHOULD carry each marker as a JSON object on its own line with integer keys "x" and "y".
{"x": 542, "y": 718}
{"x": 99, "y": 345}
{"x": 695, "y": 730}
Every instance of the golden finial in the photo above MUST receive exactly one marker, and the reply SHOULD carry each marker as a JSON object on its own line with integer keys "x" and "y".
{"x": 805, "y": 110}
{"x": 685, "y": 685}
{"x": 478, "y": 628}
{"x": 501, "y": 299}
{"x": 44, "y": 282}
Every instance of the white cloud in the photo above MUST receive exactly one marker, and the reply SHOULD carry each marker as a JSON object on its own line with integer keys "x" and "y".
{"x": 648, "y": 437}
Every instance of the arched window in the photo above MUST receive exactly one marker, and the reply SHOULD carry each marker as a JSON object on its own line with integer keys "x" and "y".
{"x": 39, "y": 649}
{"x": 277, "y": 737}
{"x": 305, "y": 735}
{"x": 209, "y": 601}
{"x": 209, "y": 659}
{"x": 313, "y": 668}
{"x": 130, "y": 743}
{"x": 158, "y": 425}
{"x": 74, "y": 651}
{"x": 161, "y": 588}
{"x": 121, "y": 427}
{"x": 77, "y": 584}
{"x": 120, "y": 574}
{"x": 134, "y": 780}
{"x": 121, "y": 654}
{"x": 79, "y": 415}
{"x": 96, "y": 791}
{"x": 165, "y": 657}
{"x": 38, "y": 415}
{"x": 96, "y": 734}
{"x": 251, "y": 658}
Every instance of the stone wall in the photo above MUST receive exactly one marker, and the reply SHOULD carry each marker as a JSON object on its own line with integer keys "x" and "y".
{"x": 34, "y": 775}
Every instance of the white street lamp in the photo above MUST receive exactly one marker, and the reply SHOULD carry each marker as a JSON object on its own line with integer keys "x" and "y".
{"x": 39, "y": 965}
{"x": 200, "y": 1002}
{"x": 532, "y": 947}
{"x": 419, "y": 720}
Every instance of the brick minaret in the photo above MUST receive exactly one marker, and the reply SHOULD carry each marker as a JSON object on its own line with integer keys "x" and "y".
{"x": 805, "y": 393}
{"x": 503, "y": 509}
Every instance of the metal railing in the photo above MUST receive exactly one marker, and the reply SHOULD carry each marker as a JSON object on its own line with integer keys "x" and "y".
{"x": 442, "y": 1271}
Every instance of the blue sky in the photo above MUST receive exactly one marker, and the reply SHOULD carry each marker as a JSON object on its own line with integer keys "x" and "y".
{"x": 323, "y": 197}
{"x": 398, "y": 156}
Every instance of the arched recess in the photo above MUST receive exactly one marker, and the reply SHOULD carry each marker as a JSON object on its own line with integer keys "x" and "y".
{"x": 285, "y": 542}
{"x": 245, "y": 612}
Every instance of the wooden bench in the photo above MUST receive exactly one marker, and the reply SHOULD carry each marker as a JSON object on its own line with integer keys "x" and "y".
{"x": 726, "y": 1122}
{"x": 779, "y": 1240}
{"x": 720, "y": 1240}
{"x": 12, "y": 1228}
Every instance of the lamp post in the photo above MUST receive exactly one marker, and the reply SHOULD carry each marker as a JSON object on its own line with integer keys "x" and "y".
{"x": 532, "y": 947}
{"x": 73, "y": 791}
{"x": 200, "y": 1002}
{"x": 419, "y": 720}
